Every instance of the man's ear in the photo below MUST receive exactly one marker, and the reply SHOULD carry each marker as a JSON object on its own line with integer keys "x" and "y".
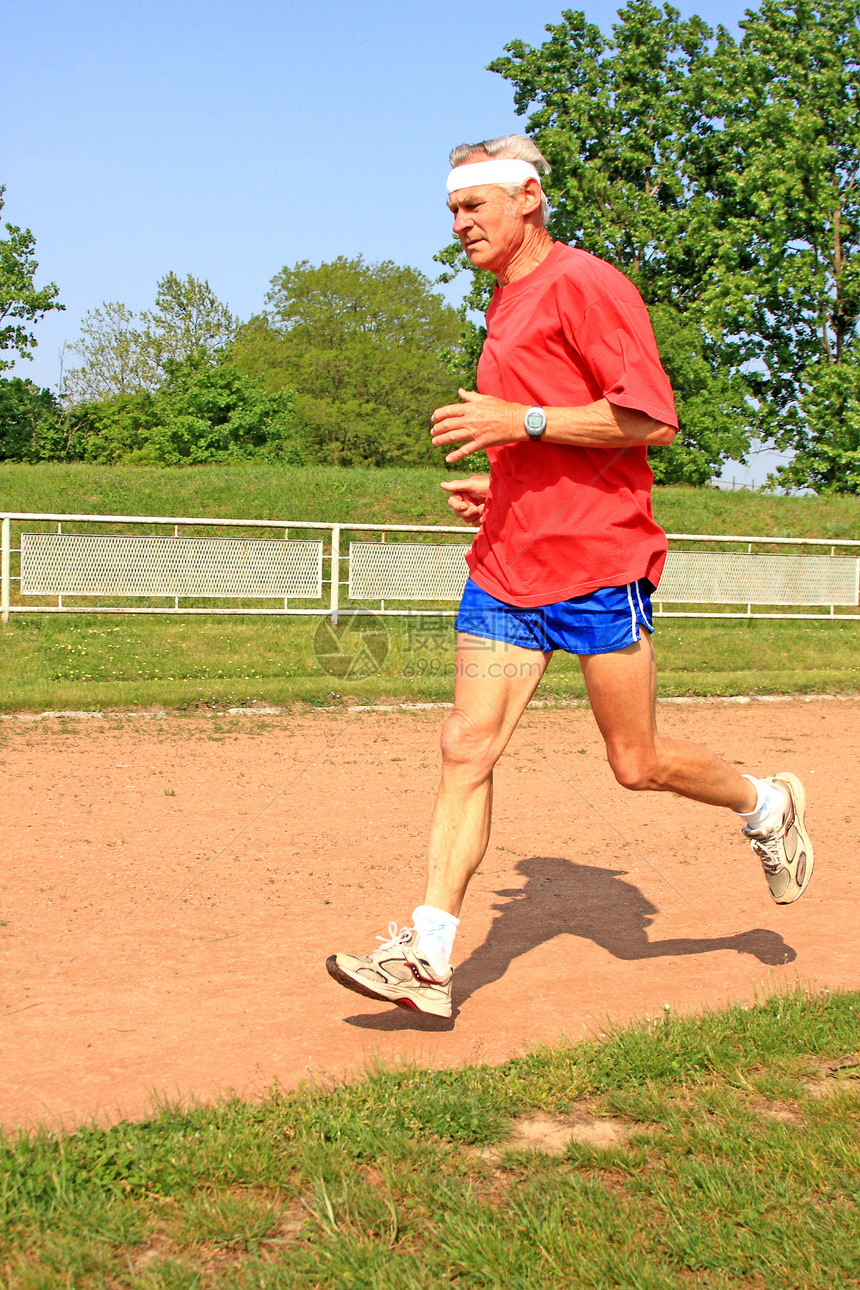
{"x": 530, "y": 197}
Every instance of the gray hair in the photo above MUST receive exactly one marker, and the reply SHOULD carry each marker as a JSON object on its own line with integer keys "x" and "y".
{"x": 518, "y": 146}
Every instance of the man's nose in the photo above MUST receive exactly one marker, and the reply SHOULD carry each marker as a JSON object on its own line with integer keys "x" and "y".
{"x": 461, "y": 221}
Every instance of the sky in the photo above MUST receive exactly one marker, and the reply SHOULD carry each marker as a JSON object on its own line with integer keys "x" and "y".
{"x": 228, "y": 139}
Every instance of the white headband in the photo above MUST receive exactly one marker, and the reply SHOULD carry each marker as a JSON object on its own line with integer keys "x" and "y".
{"x": 501, "y": 170}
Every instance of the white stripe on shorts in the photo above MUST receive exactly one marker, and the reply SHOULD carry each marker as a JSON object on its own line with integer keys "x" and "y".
{"x": 648, "y": 622}
{"x": 634, "y": 626}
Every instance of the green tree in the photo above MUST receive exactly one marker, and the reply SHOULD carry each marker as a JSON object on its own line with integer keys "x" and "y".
{"x": 31, "y": 422}
{"x": 203, "y": 413}
{"x": 188, "y": 318}
{"x": 21, "y": 302}
{"x": 622, "y": 121}
{"x": 724, "y": 178}
{"x": 614, "y": 117}
{"x": 366, "y": 347}
{"x": 785, "y": 280}
{"x": 125, "y": 353}
{"x": 117, "y": 356}
{"x": 712, "y": 405}
{"x": 827, "y": 442}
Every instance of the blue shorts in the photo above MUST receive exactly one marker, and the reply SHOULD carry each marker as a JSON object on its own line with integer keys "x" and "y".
{"x": 600, "y": 623}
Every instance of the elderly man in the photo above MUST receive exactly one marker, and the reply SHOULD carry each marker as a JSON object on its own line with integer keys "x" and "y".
{"x": 571, "y": 395}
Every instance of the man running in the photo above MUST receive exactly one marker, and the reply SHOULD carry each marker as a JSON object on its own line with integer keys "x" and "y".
{"x": 571, "y": 394}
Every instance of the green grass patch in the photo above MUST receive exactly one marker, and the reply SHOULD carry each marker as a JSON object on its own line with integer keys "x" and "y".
{"x": 249, "y": 491}
{"x": 735, "y": 1163}
{"x": 93, "y": 662}
{"x": 391, "y": 495}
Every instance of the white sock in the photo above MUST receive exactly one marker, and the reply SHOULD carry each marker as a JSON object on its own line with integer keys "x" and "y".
{"x": 769, "y": 808}
{"x": 436, "y": 931}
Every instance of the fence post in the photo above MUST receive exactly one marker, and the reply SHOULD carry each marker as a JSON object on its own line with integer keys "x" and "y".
{"x": 335, "y": 573}
{"x": 5, "y": 546}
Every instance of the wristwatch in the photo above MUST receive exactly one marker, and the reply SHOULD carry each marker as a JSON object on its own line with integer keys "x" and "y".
{"x": 535, "y": 423}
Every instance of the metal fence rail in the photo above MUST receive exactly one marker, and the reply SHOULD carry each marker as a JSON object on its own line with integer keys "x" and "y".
{"x": 336, "y": 567}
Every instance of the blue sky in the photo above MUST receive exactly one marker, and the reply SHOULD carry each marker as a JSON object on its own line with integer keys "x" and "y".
{"x": 226, "y": 139}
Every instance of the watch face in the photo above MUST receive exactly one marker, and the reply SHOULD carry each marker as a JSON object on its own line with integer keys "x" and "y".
{"x": 535, "y": 420}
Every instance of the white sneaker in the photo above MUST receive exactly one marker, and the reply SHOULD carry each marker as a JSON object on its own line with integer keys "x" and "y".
{"x": 786, "y": 851}
{"x": 395, "y": 973}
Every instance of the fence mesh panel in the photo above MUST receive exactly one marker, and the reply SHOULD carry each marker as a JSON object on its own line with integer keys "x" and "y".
{"x": 83, "y": 564}
{"x": 406, "y": 571}
{"x": 738, "y": 577}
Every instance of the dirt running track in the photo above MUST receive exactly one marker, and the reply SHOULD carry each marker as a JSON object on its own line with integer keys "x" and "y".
{"x": 171, "y": 887}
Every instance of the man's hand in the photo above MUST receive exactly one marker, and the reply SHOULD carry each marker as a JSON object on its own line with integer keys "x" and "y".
{"x": 481, "y": 420}
{"x": 466, "y": 497}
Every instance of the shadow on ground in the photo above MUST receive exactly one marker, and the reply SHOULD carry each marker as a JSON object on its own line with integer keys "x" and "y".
{"x": 596, "y": 904}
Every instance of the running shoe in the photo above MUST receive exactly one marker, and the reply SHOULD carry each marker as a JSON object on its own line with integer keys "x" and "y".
{"x": 786, "y": 851}
{"x": 395, "y": 973}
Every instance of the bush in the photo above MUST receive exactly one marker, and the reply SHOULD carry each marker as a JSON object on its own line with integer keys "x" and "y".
{"x": 202, "y": 414}
{"x": 31, "y": 423}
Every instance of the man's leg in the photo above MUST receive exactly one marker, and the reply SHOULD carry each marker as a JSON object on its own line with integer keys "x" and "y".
{"x": 493, "y": 684}
{"x": 622, "y": 690}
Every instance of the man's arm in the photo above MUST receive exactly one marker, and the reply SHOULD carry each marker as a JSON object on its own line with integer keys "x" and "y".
{"x": 481, "y": 421}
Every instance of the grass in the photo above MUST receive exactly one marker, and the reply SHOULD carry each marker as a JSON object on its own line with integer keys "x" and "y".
{"x": 91, "y": 662}
{"x": 736, "y": 1163}
{"x": 251, "y": 491}
{"x": 95, "y": 662}
{"x": 391, "y": 495}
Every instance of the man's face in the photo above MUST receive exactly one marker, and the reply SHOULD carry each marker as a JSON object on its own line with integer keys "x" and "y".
{"x": 488, "y": 223}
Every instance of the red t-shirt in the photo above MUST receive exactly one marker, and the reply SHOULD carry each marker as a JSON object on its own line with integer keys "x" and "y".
{"x": 561, "y": 521}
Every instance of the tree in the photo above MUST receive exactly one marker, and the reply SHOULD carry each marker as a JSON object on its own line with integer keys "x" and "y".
{"x": 622, "y": 121}
{"x": 31, "y": 426}
{"x": 614, "y": 117}
{"x": 21, "y": 302}
{"x": 118, "y": 357}
{"x": 188, "y": 318}
{"x": 125, "y": 353}
{"x": 203, "y": 413}
{"x": 340, "y": 300}
{"x": 724, "y": 178}
{"x": 827, "y": 457}
{"x": 786, "y": 275}
{"x": 366, "y": 349}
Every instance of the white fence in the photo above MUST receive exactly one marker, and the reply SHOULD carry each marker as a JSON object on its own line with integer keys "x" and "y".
{"x": 333, "y": 568}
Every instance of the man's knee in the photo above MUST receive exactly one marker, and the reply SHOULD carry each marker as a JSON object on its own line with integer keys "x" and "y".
{"x": 635, "y": 768}
{"x": 469, "y": 742}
